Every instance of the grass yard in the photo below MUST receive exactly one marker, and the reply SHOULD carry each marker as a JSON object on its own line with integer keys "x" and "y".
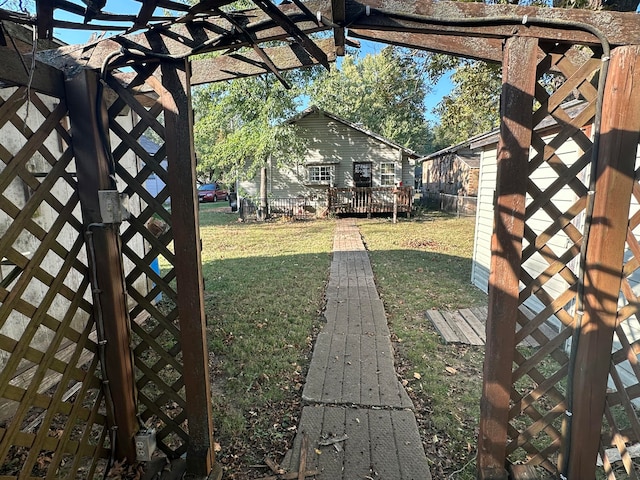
{"x": 264, "y": 286}
{"x": 422, "y": 264}
{"x": 264, "y": 290}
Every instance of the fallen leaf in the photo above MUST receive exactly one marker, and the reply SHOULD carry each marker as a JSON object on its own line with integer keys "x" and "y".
{"x": 216, "y": 447}
{"x": 417, "y": 376}
{"x": 451, "y": 370}
{"x": 318, "y": 451}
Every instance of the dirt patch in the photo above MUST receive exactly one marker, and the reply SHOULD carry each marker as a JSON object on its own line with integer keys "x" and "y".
{"x": 421, "y": 243}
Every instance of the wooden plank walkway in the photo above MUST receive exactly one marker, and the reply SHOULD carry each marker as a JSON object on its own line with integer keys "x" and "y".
{"x": 358, "y": 421}
{"x": 467, "y": 325}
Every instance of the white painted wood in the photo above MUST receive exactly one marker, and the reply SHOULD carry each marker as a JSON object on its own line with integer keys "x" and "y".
{"x": 337, "y": 143}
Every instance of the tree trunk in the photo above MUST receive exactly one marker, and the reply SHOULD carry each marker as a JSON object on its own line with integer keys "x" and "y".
{"x": 263, "y": 211}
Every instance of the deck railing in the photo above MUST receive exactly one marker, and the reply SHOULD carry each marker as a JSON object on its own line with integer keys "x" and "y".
{"x": 297, "y": 207}
{"x": 370, "y": 200}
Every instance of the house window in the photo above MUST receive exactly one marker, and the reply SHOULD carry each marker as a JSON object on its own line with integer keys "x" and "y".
{"x": 320, "y": 174}
{"x": 387, "y": 174}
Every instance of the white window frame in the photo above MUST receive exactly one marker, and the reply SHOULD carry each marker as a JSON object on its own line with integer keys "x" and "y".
{"x": 385, "y": 176}
{"x": 324, "y": 175}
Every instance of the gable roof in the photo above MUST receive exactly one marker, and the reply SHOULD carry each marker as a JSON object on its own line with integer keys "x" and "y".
{"x": 473, "y": 161}
{"x": 355, "y": 126}
{"x": 571, "y": 108}
{"x": 457, "y": 149}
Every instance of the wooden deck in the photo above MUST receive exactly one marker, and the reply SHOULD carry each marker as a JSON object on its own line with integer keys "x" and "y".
{"x": 370, "y": 200}
{"x": 467, "y": 326}
{"x": 358, "y": 421}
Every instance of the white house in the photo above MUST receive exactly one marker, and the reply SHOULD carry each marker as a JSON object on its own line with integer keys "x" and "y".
{"x": 340, "y": 155}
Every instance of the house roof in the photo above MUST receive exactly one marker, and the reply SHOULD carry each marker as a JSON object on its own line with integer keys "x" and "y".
{"x": 572, "y": 108}
{"x": 465, "y": 145}
{"x": 473, "y": 161}
{"x": 355, "y": 126}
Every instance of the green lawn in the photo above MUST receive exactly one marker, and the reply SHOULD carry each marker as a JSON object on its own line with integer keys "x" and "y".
{"x": 422, "y": 264}
{"x": 264, "y": 290}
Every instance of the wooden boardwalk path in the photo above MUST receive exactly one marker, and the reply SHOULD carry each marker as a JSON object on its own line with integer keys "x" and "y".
{"x": 357, "y": 422}
{"x": 467, "y": 325}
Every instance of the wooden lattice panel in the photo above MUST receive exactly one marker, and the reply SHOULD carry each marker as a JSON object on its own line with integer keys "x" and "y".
{"x": 557, "y": 193}
{"x": 52, "y": 414}
{"x": 151, "y": 281}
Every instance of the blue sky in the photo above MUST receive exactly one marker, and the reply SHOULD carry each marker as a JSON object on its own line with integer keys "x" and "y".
{"x": 70, "y": 36}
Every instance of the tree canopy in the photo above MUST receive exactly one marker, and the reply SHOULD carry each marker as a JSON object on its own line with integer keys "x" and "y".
{"x": 384, "y": 92}
{"x": 473, "y": 105}
{"x": 241, "y": 124}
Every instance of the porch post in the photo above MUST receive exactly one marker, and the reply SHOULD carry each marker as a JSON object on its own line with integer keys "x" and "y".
{"x": 178, "y": 114}
{"x": 105, "y": 260}
{"x": 516, "y": 107}
{"x": 620, "y": 133}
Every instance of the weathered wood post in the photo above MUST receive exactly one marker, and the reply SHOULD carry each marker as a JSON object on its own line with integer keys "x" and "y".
{"x": 105, "y": 258}
{"x": 178, "y": 115}
{"x": 516, "y": 107}
{"x": 395, "y": 204}
{"x": 620, "y": 133}
{"x": 263, "y": 209}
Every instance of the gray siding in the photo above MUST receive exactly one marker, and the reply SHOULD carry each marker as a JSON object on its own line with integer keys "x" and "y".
{"x": 484, "y": 220}
{"x": 543, "y": 177}
{"x": 331, "y": 143}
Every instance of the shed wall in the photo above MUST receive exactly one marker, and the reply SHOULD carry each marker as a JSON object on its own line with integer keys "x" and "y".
{"x": 542, "y": 178}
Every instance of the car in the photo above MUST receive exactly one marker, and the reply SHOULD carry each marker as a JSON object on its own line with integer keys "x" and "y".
{"x": 212, "y": 192}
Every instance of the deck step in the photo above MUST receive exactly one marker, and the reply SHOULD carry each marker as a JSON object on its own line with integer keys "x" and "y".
{"x": 467, "y": 326}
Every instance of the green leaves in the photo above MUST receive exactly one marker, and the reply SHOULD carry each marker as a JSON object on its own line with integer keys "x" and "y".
{"x": 384, "y": 92}
{"x": 242, "y": 123}
{"x": 473, "y": 106}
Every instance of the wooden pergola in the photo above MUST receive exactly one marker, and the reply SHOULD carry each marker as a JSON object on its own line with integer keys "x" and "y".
{"x": 129, "y": 343}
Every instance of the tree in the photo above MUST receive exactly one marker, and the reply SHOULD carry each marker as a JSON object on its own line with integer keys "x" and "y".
{"x": 384, "y": 92}
{"x": 472, "y": 107}
{"x": 241, "y": 125}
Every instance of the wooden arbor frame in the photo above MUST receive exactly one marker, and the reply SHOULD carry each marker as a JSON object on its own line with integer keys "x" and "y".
{"x": 529, "y": 42}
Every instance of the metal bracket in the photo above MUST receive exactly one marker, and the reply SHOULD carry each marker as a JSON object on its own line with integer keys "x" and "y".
{"x": 114, "y": 206}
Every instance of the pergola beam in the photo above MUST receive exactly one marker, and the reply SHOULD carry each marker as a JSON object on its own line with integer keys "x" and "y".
{"x": 441, "y": 27}
{"x": 487, "y": 49}
{"x": 293, "y": 30}
{"x": 338, "y": 13}
{"x": 44, "y": 11}
{"x": 145, "y": 14}
{"x": 247, "y": 64}
{"x": 15, "y": 71}
{"x": 184, "y": 39}
{"x": 492, "y": 21}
